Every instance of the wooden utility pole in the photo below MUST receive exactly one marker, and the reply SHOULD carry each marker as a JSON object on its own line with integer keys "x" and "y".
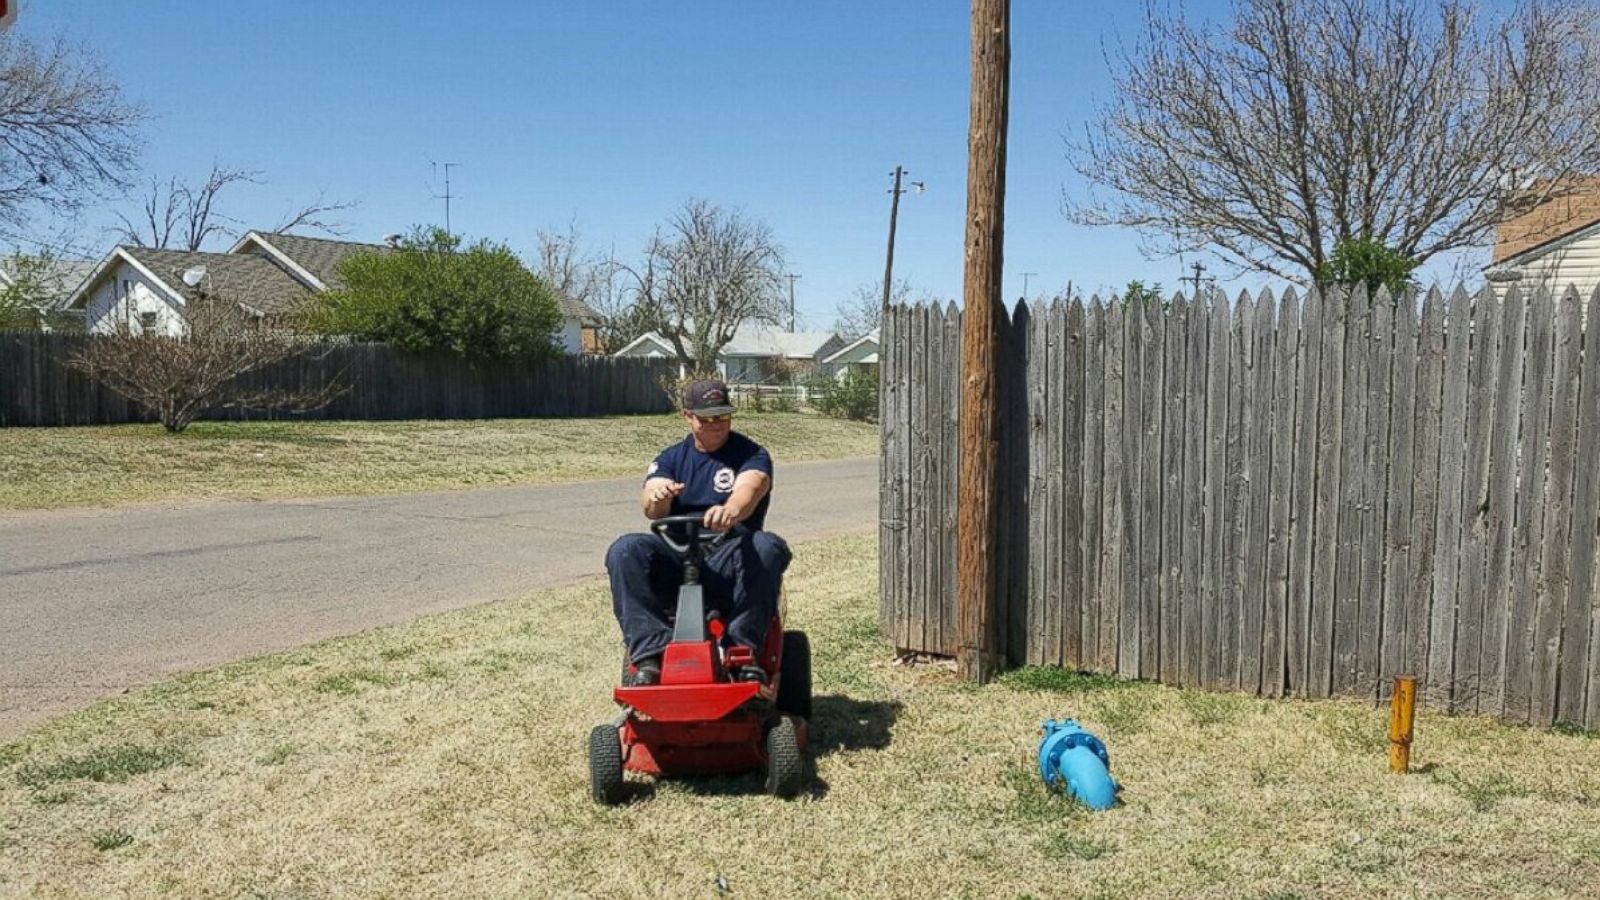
{"x": 894, "y": 213}
{"x": 977, "y": 582}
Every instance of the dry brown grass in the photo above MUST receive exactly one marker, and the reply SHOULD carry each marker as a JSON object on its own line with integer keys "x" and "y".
{"x": 446, "y": 757}
{"x": 52, "y": 467}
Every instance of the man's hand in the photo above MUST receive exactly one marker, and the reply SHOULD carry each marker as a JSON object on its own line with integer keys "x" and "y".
{"x": 663, "y": 491}
{"x": 724, "y": 517}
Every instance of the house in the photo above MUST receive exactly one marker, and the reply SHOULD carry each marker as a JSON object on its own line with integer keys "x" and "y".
{"x": 859, "y": 356}
{"x": 758, "y": 353}
{"x": 269, "y": 273}
{"x": 54, "y": 280}
{"x": 1554, "y": 244}
{"x": 146, "y": 289}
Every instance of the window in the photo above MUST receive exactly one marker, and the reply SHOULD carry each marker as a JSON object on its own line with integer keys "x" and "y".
{"x": 147, "y": 320}
{"x": 127, "y": 288}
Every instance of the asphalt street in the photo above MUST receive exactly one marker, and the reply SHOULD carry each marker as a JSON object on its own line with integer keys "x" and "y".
{"x": 94, "y": 602}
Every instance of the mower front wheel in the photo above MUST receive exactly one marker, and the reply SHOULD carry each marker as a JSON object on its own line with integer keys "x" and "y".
{"x": 605, "y": 765}
{"x": 785, "y": 764}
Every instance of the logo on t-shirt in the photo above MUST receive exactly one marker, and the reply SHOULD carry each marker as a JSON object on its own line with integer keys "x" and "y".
{"x": 653, "y": 468}
{"x": 723, "y": 480}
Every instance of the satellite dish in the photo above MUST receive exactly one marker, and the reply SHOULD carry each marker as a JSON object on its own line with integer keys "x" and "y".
{"x": 392, "y": 239}
{"x": 194, "y": 275}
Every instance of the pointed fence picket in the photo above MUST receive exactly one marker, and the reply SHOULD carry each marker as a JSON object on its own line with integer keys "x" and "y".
{"x": 1303, "y": 495}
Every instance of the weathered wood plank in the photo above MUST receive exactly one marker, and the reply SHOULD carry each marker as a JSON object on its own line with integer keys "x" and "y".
{"x": 1528, "y": 530}
{"x": 890, "y": 524}
{"x": 922, "y": 600}
{"x": 1369, "y": 617}
{"x": 1555, "y": 581}
{"x": 1302, "y": 508}
{"x": 1114, "y": 530}
{"x": 1398, "y": 490}
{"x": 1441, "y": 688}
{"x": 1285, "y": 347}
{"x": 1194, "y": 476}
{"x": 1175, "y": 387}
{"x": 1330, "y": 432}
{"x": 1213, "y": 558}
{"x": 1072, "y": 412}
{"x": 1483, "y": 368}
{"x": 1132, "y": 496}
{"x": 1258, "y": 485}
{"x": 1587, "y": 511}
{"x": 1094, "y": 456}
{"x": 1054, "y": 462}
{"x": 1577, "y": 636}
{"x": 952, "y": 450}
{"x": 1236, "y": 504}
{"x": 1425, "y": 487}
{"x": 1152, "y": 354}
{"x": 1033, "y": 330}
{"x": 1502, "y": 500}
{"x": 1353, "y": 498}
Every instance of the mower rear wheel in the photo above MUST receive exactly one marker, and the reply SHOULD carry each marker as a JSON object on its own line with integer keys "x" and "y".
{"x": 794, "y": 680}
{"x": 605, "y": 765}
{"x": 785, "y": 765}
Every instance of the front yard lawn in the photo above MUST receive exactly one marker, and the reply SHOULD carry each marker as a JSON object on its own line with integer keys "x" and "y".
{"x": 447, "y": 758}
{"x": 42, "y": 468}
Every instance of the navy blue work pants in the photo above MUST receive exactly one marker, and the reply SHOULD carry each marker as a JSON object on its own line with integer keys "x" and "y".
{"x": 741, "y": 579}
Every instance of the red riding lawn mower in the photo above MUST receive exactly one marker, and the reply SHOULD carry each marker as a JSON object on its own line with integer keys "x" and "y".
{"x": 698, "y": 720}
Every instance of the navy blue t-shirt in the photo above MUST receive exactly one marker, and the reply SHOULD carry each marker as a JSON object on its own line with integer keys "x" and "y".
{"x": 708, "y": 477}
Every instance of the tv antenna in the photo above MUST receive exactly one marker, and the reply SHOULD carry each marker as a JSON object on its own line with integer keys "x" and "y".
{"x": 446, "y": 195}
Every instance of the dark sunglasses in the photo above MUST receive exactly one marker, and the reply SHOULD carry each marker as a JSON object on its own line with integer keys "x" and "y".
{"x": 712, "y": 420}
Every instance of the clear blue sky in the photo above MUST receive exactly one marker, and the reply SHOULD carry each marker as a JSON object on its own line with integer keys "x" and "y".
{"x": 612, "y": 114}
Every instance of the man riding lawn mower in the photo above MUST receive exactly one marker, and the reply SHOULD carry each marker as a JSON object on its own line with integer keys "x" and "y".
{"x": 711, "y": 682}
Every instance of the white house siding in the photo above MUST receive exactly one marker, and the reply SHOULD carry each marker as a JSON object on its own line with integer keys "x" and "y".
{"x": 1577, "y": 263}
{"x": 571, "y": 336}
{"x": 124, "y": 298}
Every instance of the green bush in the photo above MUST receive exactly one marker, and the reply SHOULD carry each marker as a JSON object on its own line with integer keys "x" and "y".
{"x": 854, "y": 396}
{"x": 430, "y": 294}
{"x": 1359, "y": 261}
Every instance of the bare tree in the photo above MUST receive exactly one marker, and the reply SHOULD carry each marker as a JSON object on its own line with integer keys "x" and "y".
{"x": 1413, "y": 124}
{"x": 863, "y": 312}
{"x": 66, "y": 130}
{"x": 177, "y": 378}
{"x": 711, "y": 272}
{"x": 178, "y": 214}
{"x": 593, "y": 280}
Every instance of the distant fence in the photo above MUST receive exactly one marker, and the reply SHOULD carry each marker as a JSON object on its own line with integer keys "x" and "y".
{"x": 38, "y": 388}
{"x": 1300, "y": 496}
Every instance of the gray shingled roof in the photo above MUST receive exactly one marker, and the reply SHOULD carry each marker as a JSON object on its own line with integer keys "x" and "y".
{"x": 319, "y": 256}
{"x": 253, "y": 281}
{"x": 577, "y": 309}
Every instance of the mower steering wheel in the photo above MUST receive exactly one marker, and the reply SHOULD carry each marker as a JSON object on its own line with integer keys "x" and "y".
{"x": 698, "y": 530}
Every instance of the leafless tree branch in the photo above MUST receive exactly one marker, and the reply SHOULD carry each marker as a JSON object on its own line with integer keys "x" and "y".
{"x": 1411, "y": 123}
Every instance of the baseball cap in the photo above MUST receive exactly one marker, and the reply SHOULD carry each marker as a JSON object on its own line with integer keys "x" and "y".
{"x": 707, "y": 398}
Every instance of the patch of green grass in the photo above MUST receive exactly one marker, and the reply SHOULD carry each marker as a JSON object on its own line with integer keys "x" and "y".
{"x": 391, "y": 654}
{"x": 278, "y": 755}
{"x": 238, "y": 460}
{"x": 1066, "y": 845}
{"x": 350, "y": 682}
{"x": 431, "y": 670}
{"x": 114, "y": 764}
{"x": 1354, "y": 729}
{"x": 1210, "y": 710}
{"x": 1033, "y": 802}
{"x": 52, "y": 798}
{"x": 110, "y": 840}
{"x": 1055, "y": 678}
{"x": 1125, "y": 713}
{"x": 1578, "y": 731}
{"x": 1482, "y": 792}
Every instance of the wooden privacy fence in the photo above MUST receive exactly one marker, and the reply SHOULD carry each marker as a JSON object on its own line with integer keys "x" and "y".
{"x": 38, "y": 388}
{"x": 1298, "y": 496}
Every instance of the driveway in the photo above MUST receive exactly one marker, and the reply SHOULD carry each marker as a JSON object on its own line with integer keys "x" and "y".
{"x": 96, "y": 601}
